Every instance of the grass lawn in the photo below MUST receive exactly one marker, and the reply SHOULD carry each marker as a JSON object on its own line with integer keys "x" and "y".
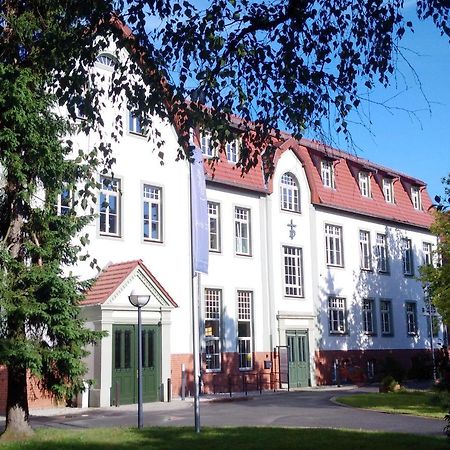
{"x": 223, "y": 439}
{"x": 418, "y": 403}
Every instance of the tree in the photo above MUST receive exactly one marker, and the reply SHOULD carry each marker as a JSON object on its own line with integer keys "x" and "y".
{"x": 284, "y": 64}
{"x": 437, "y": 277}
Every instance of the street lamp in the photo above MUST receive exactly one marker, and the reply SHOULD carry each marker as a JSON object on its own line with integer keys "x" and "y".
{"x": 139, "y": 301}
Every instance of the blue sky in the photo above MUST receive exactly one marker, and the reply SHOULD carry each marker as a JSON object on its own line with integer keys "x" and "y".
{"x": 418, "y": 146}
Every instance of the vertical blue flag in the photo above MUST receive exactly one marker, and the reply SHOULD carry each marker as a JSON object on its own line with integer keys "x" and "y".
{"x": 199, "y": 211}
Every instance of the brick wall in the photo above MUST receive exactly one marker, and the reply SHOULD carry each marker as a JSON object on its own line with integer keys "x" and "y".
{"x": 229, "y": 377}
{"x": 36, "y": 397}
{"x": 353, "y": 364}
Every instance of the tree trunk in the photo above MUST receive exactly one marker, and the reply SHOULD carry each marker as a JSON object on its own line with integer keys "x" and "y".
{"x": 17, "y": 413}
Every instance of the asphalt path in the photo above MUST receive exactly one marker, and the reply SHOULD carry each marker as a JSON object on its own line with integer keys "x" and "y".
{"x": 308, "y": 408}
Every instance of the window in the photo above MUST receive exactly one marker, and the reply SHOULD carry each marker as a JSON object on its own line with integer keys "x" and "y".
{"x": 106, "y": 61}
{"x": 333, "y": 244}
{"x": 411, "y": 318}
{"x": 386, "y": 317}
{"x": 293, "y": 271}
{"x": 110, "y": 206}
{"x": 337, "y": 315}
{"x": 242, "y": 230}
{"x": 416, "y": 198}
{"x": 388, "y": 190}
{"x": 364, "y": 184}
{"x": 382, "y": 253}
{"x": 327, "y": 172}
{"x": 407, "y": 257}
{"x": 134, "y": 124}
{"x": 244, "y": 340}
{"x": 65, "y": 202}
{"x": 289, "y": 193}
{"x": 213, "y": 307}
{"x": 206, "y": 144}
{"x": 364, "y": 247}
{"x": 427, "y": 253}
{"x": 368, "y": 316}
{"x": 152, "y": 224}
{"x": 214, "y": 226}
{"x": 432, "y": 319}
{"x": 232, "y": 149}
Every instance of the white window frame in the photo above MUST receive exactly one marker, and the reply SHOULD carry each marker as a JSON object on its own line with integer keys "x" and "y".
{"x": 213, "y": 321}
{"x": 368, "y": 316}
{"x": 232, "y": 151}
{"x": 152, "y": 201}
{"x": 334, "y": 245}
{"x": 327, "y": 173}
{"x": 411, "y": 318}
{"x": 206, "y": 145}
{"x": 242, "y": 231}
{"x": 364, "y": 184}
{"x": 245, "y": 322}
{"x": 388, "y": 190}
{"x": 382, "y": 253}
{"x": 65, "y": 202}
{"x": 416, "y": 198}
{"x": 106, "y": 61}
{"x": 407, "y": 257}
{"x": 427, "y": 250}
{"x": 293, "y": 271}
{"x": 110, "y": 188}
{"x": 364, "y": 250}
{"x": 289, "y": 193}
{"x": 134, "y": 124}
{"x": 214, "y": 227}
{"x": 337, "y": 315}
{"x": 386, "y": 317}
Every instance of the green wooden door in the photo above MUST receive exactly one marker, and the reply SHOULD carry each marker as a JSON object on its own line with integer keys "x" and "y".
{"x": 125, "y": 361}
{"x": 123, "y": 365}
{"x": 150, "y": 363}
{"x": 298, "y": 349}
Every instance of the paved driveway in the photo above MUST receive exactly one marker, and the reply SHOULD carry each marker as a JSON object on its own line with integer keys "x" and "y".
{"x": 306, "y": 408}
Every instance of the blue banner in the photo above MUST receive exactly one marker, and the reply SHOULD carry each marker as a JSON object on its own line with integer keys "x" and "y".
{"x": 199, "y": 205}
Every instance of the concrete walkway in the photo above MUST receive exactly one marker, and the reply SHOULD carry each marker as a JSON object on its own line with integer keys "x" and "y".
{"x": 309, "y": 407}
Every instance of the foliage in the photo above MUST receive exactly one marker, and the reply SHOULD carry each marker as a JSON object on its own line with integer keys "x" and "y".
{"x": 436, "y": 277}
{"x": 389, "y": 384}
{"x": 250, "y": 438}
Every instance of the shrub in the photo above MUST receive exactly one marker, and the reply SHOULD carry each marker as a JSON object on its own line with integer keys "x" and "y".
{"x": 389, "y": 384}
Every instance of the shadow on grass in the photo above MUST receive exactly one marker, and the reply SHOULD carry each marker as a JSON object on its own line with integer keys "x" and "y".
{"x": 250, "y": 438}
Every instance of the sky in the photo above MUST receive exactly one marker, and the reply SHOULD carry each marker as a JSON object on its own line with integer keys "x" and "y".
{"x": 418, "y": 146}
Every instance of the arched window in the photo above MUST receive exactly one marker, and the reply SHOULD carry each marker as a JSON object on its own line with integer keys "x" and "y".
{"x": 289, "y": 193}
{"x": 107, "y": 61}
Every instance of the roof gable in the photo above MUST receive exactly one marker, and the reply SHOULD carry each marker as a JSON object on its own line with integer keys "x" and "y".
{"x": 115, "y": 278}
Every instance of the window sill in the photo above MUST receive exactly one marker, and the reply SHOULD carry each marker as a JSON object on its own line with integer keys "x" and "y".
{"x": 290, "y": 211}
{"x": 107, "y": 235}
{"x": 387, "y": 335}
{"x": 384, "y": 272}
{"x": 246, "y": 255}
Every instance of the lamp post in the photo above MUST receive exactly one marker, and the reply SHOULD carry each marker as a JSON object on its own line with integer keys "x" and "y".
{"x": 139, "y": 301}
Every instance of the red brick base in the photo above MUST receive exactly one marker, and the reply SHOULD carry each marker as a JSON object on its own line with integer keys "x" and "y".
{"x": 36, "y": 397}
{"x": 228, "y": 378}
{"x": 353, "y": 365}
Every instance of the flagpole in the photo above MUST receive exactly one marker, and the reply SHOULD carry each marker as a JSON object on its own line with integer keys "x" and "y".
{"x": 195, "y": 323}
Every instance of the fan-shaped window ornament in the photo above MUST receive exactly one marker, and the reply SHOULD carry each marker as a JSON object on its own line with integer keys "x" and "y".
{"x": 106, "y": 60}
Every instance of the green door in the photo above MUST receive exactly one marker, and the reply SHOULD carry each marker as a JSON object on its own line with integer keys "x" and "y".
{"x": 124, "y": 367}
{"x": 298, "y": 350}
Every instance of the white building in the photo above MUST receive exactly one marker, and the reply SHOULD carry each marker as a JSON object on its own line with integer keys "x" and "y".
{"x": 310, "y": 268}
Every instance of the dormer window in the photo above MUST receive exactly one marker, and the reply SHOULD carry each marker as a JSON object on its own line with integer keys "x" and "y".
{"x": 232, "y": 149}
{"x": 289, "y": 193}
{"x": 364, "y": 184}
{"x": 106, "y": 61}
{"x": 388, "y": 190}
{"x": 206, "y": 144}
{"x": 327, "y": 173}
{"x": 416, "y": 198}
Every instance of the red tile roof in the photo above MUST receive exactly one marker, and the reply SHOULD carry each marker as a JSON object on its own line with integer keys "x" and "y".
{"x": 347, "y": 196}
{"x": 112, "y": 277}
